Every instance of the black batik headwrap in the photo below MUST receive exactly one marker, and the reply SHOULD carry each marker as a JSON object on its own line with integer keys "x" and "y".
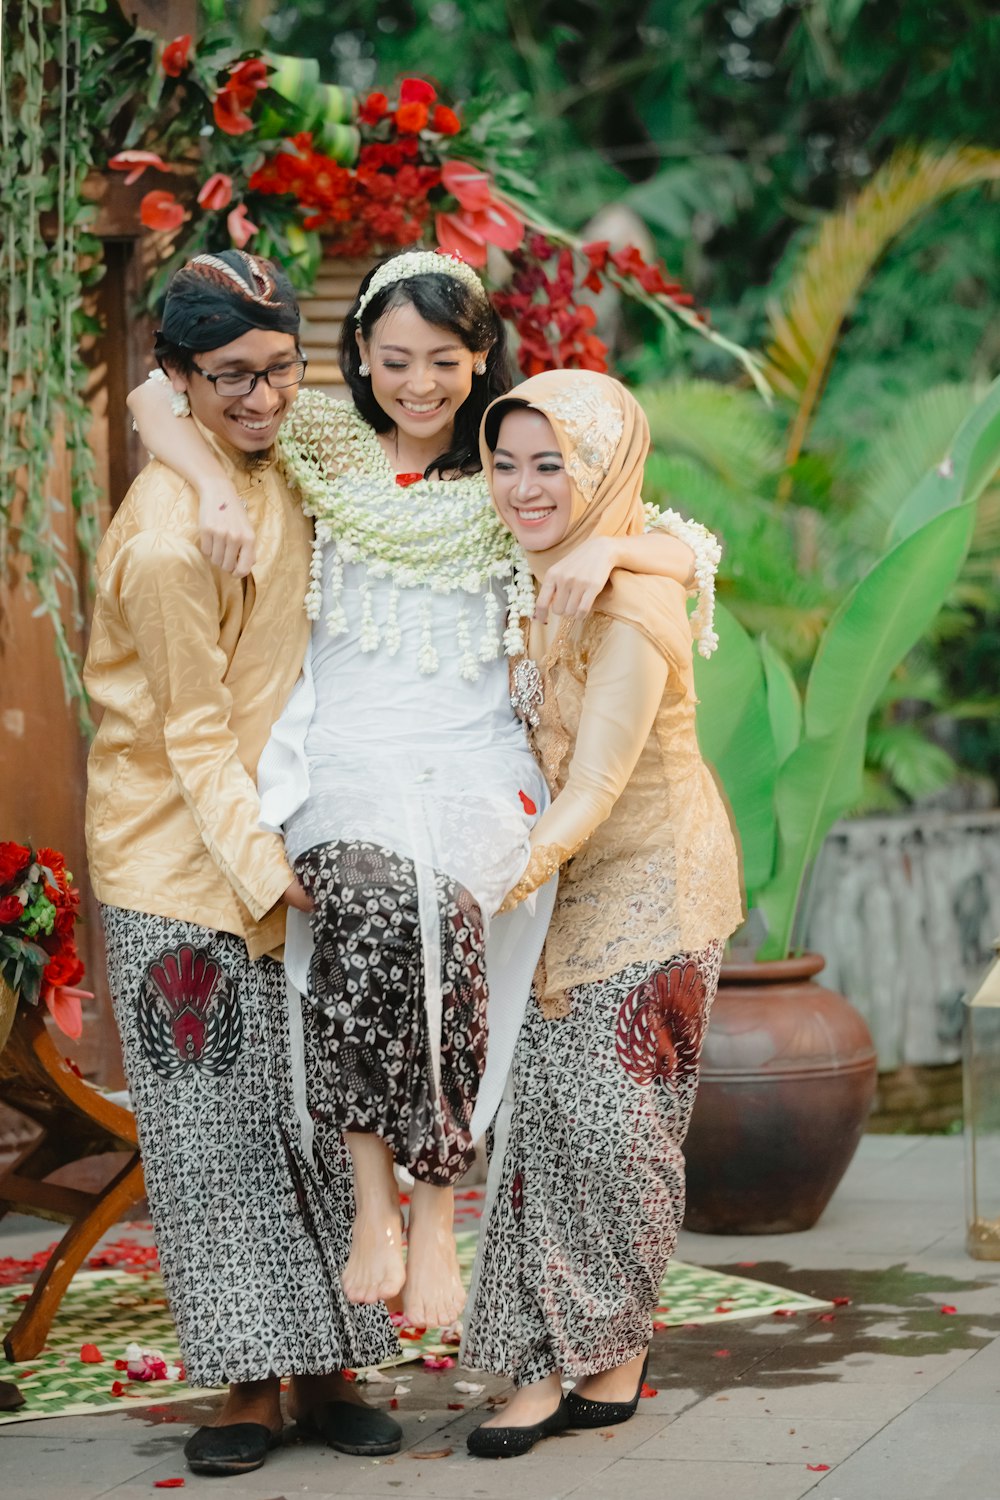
{"x": 215, "y": 299}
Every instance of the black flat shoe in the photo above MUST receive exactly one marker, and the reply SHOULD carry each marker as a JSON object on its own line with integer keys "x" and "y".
{"x": 351, "y": 1428}
{"x": 586, "y": 1413}
{"x": 512, "y": 1442}
{"x": 230, "y": 1450}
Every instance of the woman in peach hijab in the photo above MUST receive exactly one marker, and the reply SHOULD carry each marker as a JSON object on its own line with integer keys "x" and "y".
{"x": 587, "y": 1179}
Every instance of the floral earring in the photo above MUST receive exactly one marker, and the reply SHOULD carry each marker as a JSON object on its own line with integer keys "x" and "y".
{"x": 479, "y": 368}
{"x": 179, "y": 404}
{"x": 364, "y": 368}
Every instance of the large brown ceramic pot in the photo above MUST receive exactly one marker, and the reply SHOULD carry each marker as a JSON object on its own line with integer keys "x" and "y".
{"x": 787, "y": 1082}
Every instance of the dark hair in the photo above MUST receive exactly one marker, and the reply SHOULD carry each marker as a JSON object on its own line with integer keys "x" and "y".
{"x": 491, "y": 427}
{"x": 445, "y": 302}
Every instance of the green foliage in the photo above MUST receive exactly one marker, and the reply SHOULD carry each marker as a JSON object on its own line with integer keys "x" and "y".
{"x": 45, "y": 248}
{"x": 790, "y": 769}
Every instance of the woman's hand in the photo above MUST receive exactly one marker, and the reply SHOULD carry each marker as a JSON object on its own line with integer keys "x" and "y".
{"x": 297, "y": 896}
{"x": 227, "y": 538}
{"x": 572, "y": 586}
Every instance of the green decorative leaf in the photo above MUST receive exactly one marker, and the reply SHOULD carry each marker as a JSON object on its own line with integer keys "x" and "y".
{"x": 783, "y": 701}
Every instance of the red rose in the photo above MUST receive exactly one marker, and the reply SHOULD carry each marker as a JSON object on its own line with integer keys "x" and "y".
{"x": 55, "y": 862}
{"x": 14, "y": 860}
{"x": 175, "y": 56}
{"x": 411, "y": 118}
{"x": 445, "y": 121}
{"x": 160, "y": 210}
{"x": 375, "y": 107}
{"x": 417, "y": 91}
{"x": 63, "y": 968}
{"x": 11, "y": 910}
{"x": 229, "y": 112}
{"x": 64, "y": 924}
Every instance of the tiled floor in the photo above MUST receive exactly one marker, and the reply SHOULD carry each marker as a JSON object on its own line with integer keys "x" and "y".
{"x": 892, "y": 1400}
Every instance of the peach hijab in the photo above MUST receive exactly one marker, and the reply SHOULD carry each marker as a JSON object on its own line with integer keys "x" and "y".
{"x": 603, "y": 436}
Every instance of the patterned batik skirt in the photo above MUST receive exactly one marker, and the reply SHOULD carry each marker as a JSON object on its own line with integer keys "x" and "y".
{"x": 586, "y": 1192}
{"x": 252, "y": 1231}
{"x": 392, "y": 1066}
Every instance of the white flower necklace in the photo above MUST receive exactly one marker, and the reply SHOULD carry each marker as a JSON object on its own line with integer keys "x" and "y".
{"x": 441, "y": 536}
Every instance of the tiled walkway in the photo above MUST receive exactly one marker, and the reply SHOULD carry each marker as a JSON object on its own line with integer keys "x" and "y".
{"x": 891, "y": 1400}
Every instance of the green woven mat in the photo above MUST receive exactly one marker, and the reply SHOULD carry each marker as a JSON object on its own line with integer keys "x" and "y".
{"x": 111, "y": 1309}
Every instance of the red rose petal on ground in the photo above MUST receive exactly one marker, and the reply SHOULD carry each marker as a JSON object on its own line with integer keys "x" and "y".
{"x": 168, "y": 1484}
{"x": 784, "y": 1312}
{"x": 23, "y": 1374}
{"x": 349, "y": 1374}
{"x": 393, "y": 1403}
{"x": 117, "y": 1389}
{"x": 721, "y": 1354}
{"x": 456, "y": 1406}
{"x": 659, "y": 1327}
{"x": 412, "y": 1333}
{"x": 649, "y": 1390}
{"x": 91, "y": 1355}
{"x": 433, "y": 1453}
{"x": 841, "y": 1301}
{"x": 827, "y": 1318}
{"x": 121, "y": 1364}
{"x": 948, "y": 1310}
{"x": 746, "y": 1263}
{"x": 817, "y": 1468}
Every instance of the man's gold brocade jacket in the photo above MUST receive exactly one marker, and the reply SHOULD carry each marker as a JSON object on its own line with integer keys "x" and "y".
{"x": 192, "y": 667}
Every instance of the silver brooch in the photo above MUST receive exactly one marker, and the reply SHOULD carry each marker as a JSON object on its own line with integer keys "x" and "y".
{"x": 526, "y": 694}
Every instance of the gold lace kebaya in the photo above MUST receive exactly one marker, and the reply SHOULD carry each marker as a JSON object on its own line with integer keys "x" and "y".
{"x": 637, "y": 826}
{"x": 192, "y": 668}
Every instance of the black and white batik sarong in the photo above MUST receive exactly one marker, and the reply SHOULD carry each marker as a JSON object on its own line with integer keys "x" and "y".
{"x": 367, "y": 996}
{"x": 586, "y": 1190}
{"x": 251, "y": 1231}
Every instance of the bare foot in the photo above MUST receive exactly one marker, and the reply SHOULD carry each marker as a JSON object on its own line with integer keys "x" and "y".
{"x": 433, "y": 1296}
{"x": 253, "y": 1401}
{"x": 530, "y": 1404}
{"x": 612, "y": 1385}
{"x": 375, "y": 1268}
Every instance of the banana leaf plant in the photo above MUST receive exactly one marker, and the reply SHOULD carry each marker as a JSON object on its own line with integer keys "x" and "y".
{"x": 792, "y": 764}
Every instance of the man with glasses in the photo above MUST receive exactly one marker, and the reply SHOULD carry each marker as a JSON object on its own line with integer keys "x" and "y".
{"x": 192, "y": 666}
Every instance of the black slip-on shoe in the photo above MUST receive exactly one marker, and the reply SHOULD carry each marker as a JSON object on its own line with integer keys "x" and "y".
{"x": 512, "y": 1442}
{"x": 230, "y": 1450}
{"x": 586, "y": 1413}
{"x": 352, "y": 1428}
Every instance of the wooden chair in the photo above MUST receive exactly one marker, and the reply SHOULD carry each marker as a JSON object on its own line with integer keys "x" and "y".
{"x": 77, "y": 1121}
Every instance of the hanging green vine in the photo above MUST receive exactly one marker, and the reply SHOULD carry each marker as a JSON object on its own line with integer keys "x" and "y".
{"x": 47, "y": 260}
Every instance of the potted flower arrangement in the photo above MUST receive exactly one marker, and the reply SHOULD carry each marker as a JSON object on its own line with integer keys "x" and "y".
{"x": 786, "y": 1087}
{"x": 38, "y": 957}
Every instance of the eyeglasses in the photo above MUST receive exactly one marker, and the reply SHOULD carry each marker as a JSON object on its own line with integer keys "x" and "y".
{"x": 242, "y": 382}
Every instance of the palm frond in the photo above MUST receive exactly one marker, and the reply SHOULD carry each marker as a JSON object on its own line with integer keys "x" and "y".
{"x": 805, "y": 327}
{"x": 728, "y": 428}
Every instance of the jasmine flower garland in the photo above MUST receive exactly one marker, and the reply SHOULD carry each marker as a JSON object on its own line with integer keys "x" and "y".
{"x": 442, "y": 536}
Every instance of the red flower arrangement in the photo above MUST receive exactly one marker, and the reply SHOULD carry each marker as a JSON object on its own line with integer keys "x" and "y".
{"x": 38, "y": 909}
{"x": 176, "y": 56}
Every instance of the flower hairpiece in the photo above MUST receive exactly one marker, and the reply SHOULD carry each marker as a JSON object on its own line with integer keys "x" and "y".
{"x": 419, "y": 263}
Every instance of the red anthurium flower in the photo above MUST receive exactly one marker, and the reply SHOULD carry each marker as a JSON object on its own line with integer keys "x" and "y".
{"x": 175, "y": 56}
{"x": 246, "y": 78}
{"x": 160, "y": 210}
{"x": 456, "y": 237}
{"x": 445, "y": 121}
{"x": 229, "y": 112}
{"x": 216, "y": 192}
{"x": 411, "y": 118}
{"x": 417, "y": 91}
{"x": 470, "y": 185}
{"x": 136, "y": 162}
{"x": 375, "y": 108}
{"x": 500, "y": 225}
{"x": 241, "y": 229}
{"x": 65, "y": 1009}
